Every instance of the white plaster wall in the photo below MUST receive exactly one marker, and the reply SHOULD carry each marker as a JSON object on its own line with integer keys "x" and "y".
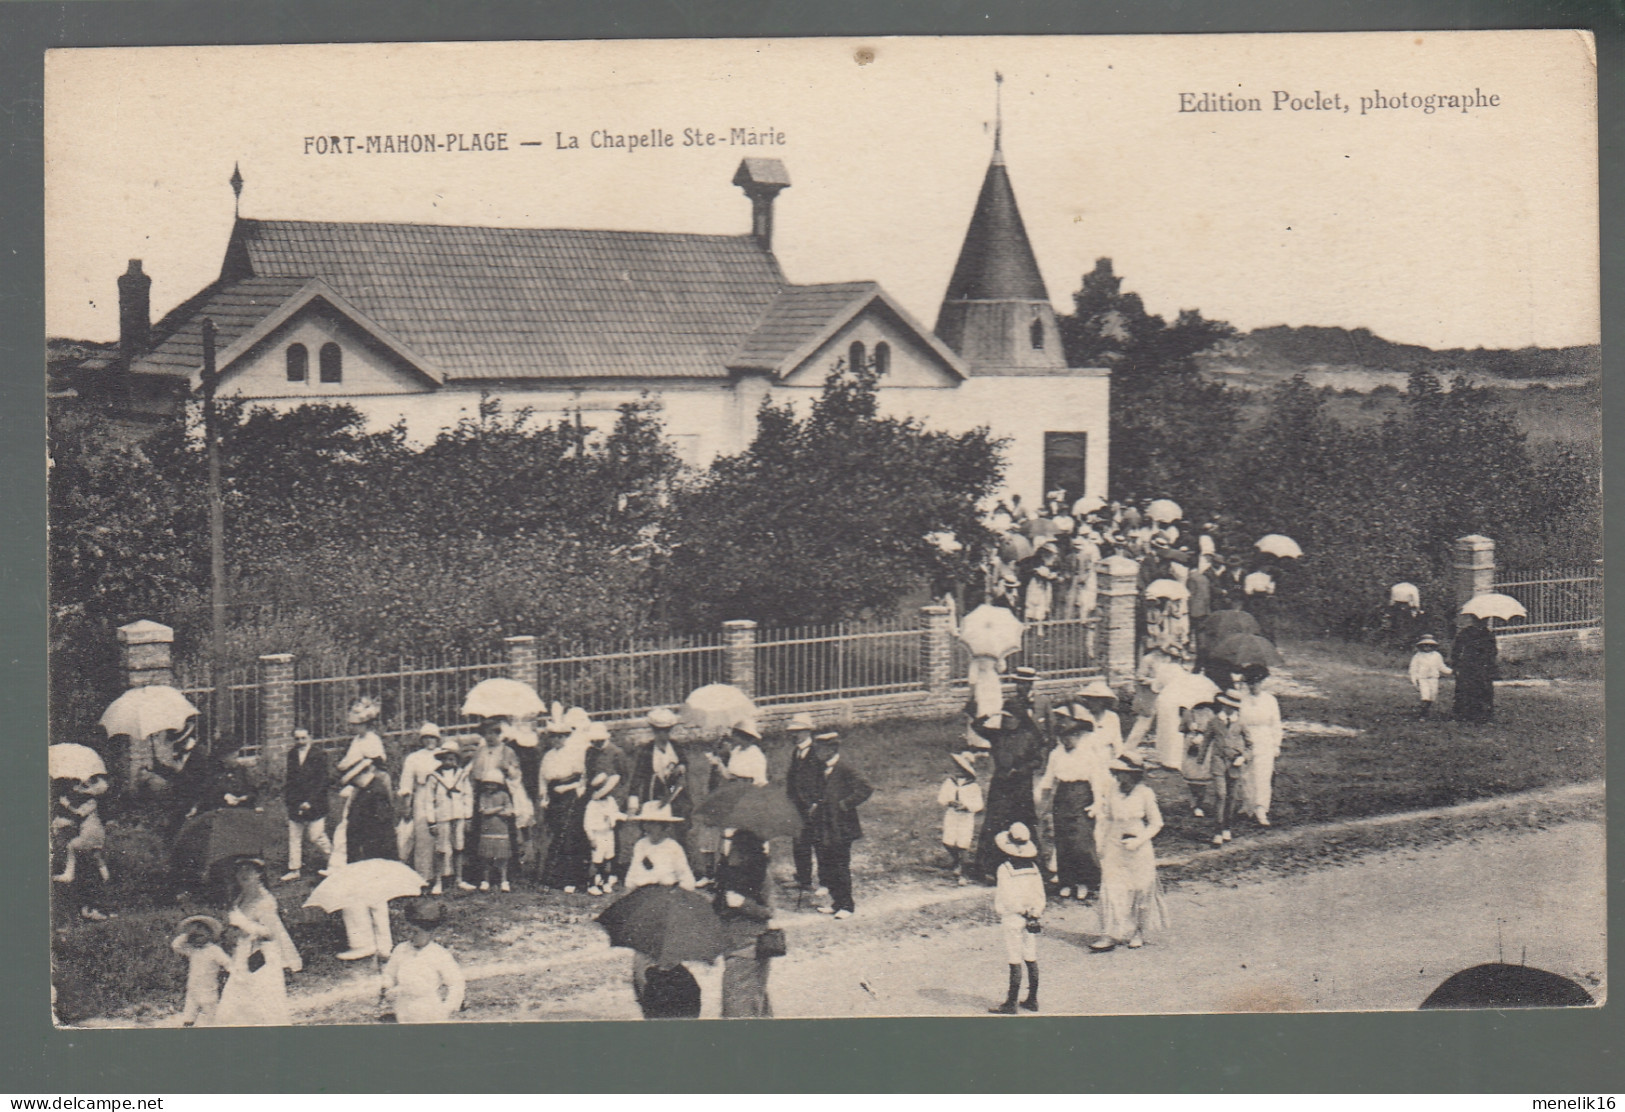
{"x": 708, "y": 419}
{"x": 368, "y": 368}
{"x": 911, "y": 364}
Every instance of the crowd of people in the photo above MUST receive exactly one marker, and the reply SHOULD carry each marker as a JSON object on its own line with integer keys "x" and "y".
{"x": 1042, "y": 798}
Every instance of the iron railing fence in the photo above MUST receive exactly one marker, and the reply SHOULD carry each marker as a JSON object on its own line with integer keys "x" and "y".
{"x": 239, "y": 712}
{"x": 630, "y": 679}
{"x": 837, "y": 661}
{"x": 1556, "y": 599}
{"x": 1059, "y": 650}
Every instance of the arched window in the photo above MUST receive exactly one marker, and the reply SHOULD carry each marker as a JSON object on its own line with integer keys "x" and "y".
{"x": 854, "y": 356}
{"x": 298, "y": 363}
{"x": 1036, "y": 332}
{"x": 882, "y": 357}
{"x": 332, "y": 362}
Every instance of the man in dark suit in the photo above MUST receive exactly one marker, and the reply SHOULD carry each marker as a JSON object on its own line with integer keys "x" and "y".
{"x": 304, "y": 791}
{"x": 804, "y": 783}
{"x": 834, "y": 823}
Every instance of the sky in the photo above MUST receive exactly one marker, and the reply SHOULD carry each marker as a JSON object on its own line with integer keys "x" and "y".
{"x": 1450, "y": 229}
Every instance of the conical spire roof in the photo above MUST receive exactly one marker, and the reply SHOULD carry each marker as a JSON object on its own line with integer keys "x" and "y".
{"x": 996, "y": 263}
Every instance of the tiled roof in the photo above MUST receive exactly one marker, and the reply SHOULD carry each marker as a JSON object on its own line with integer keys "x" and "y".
{"x": 996, "y": 263}
{"x": 504, "y": 303}
{"x": 795, "y": 318}
{"x": 235, "y": 307}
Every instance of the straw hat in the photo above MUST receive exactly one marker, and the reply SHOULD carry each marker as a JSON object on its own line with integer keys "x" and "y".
{"x": 425, "y": 912}
{"x": 449, "y": 745}
{"x": 1123, "y": 764}
{"x": 428, "y": 729}
{"x": 1427, "y": 641}
{"x": 652, "y": 811}
{"x": 207, "y": 922}
{"x": 1017, "y": 841}
{"x": 801, "y": 722}
{"x": 749, "y": 729}
{"x": 1097, "y": 689}
{"x": 597, "y": 731}
{"x": 363, "y": 710}
{"x": 1228, "y": 699}
{"x": 662, "y": 718}
{"x": 1026, "y": 674}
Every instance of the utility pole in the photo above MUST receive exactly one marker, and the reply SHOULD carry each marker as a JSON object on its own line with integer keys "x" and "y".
{"x": 217, "y": 539}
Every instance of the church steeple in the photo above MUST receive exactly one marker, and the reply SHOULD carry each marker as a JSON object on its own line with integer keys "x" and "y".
{"x": 996, "y": 312}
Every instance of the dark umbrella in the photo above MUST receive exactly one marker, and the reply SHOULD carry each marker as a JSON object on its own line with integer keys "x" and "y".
{"x": 765, "y": 811}
{"x": 667, "y": 924}
{"x": 1495, "y": 985}
{"x": 1224, "y": 623}
{"x": 219, "y": 835}
{"x": 1241, "y": 649}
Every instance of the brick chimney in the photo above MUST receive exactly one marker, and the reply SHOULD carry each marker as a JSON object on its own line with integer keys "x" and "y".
{"x": 761, "y": 179}
{"x": 134, "y": 314}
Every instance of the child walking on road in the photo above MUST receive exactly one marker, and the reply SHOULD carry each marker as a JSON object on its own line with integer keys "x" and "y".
{"x": 1018, "y": 900}
{"x": 1426, "y": 668}
{"x": 961, "y": 798}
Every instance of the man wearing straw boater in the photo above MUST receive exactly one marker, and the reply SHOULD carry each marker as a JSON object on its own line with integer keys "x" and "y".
{"x": 835, "y": 825}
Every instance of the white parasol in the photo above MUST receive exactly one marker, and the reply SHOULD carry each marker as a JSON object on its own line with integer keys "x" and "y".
{"x": 1167, "y": 588}
{"x": 1276, "y": 544}
{"x": 365, "y": 884}
{"x": 1493, "y": 605}
{"x": 716, "y": 706}
{"x": 143, "y": 711}
{"x": 1405, "y": 593}
{"x": 1164, "y": 510}
{"x": 991, "y": 631}
{"x": 74, "y": 762}
{"x": 501, "y": 697}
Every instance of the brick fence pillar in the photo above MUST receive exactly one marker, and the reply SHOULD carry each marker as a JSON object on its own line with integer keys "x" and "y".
{"x": 276, "y": 713}
{"x": 739, "y": 655}
{"x": 145, "y": 648}
{"x": 1119, "y": 597}
{"x": 936, "y": 648}
{"x": 1474, "y": 567}
{"x": 522, "y": 659}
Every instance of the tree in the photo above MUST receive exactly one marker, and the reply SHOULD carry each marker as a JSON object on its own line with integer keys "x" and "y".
{"x": 825, "y": 518}
{"x": 1169, "y": 425}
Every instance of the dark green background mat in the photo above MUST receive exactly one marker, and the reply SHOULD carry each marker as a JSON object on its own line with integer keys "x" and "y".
{"x": 1553, "y": 1053}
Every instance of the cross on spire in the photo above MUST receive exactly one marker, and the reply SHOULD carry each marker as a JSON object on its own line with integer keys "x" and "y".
{"x": 236, "y": 190}
{"x": 998, "y": 117}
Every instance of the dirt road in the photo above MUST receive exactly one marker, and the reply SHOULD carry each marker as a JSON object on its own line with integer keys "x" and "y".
{"x": 1378, "y": 932}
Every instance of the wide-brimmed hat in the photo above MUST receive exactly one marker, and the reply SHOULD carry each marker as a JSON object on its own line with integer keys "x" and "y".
{"x": 597, "y": 732}
{"x": 207, "y": 922}
{"x": 662, "y": 718}
{"x": 828, "y": 737}
{"x": 966, "y": 761}
{"x": 801, "y": 722}
{"x": 1026, "y": 674}
{"x": 428, "y": 729}
{"x": 1427, "y": 639}
{"x": 423, "y": 912}
{"x": 1229, "y": 699}
{"x": 1097, "y": 689}
{"x": 365, "y": 764}
{"x": 1010, "y": 578}
{"x": 1123, "y": 764}
{"x": 749, "y": 729}
{"x": 364, "y": 709}
{"x": 449, "y": 745}
{"x": 1017, "y": 841}
{"x": 652, "y": 811}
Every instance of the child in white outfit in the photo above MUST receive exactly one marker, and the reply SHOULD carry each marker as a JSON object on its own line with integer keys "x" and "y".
{"x": 961, "y": 796}
{"x": 602, "y": 815}
{"x": 420, "y": 968}
{"x": 198, "y": 943}
{"x": 1018, "y": 901}
{"x": 1426, "y": 668}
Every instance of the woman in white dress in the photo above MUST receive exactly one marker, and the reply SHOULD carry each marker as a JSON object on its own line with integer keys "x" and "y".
{"x": 1261, "y": 725}
{"x": 1131, "y": 901}
{"x": 256, "y": 992}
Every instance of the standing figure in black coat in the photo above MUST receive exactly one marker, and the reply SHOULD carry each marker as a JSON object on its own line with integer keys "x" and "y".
{"x": 1018, "y": 742}
{"x": 803, "y": 783}
{"x": 1474, "y": 656}
{"x": 833, "y": 819}
{"x": 304, "y": 793}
